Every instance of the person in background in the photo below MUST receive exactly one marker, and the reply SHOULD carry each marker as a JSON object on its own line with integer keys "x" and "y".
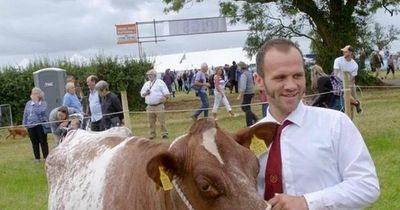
{"x": 199, "y": 80}
{"x": 71, "y": 99}
{"x": 323, "y": 83}
{"x": 233, "y": 77}
{"x": 318, "y": 158}
{"x": 246, "y": 93}
{"x": 169, "y": 80}
{"x": 155, "y": 92}
{"x": 376, "y": 62}
{"x": 34, "y": 118}
{"x": 219, "y": 94}
{"x": 110, "y": 106}
{"x": 346, "y": 63}
{"x": 94, "y": 108}
{"x": 179, "y": 79}
{"x": 190, "y": 80}
{"x": 390, "y": 66}
{"x": 57, "y": 117}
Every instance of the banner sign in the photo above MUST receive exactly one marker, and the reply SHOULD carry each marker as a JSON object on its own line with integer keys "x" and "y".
{"x": 127, "y": 33}
{"x": 197, "y": 26}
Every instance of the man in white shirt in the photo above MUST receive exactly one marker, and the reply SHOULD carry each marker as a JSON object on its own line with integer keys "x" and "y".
{"x": 94, "y": 108}
{"x": 325, "y": 163}
{"x": 155, "y": 93}
{"x": 346, "y": 63}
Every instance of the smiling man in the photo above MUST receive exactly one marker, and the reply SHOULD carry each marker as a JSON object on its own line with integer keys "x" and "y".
{"x": 318, "y": 158}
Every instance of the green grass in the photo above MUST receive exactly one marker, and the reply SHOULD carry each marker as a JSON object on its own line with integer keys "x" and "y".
{"x": 23, "y": 183}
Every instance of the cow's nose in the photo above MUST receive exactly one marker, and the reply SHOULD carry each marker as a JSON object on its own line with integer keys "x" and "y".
{"x": 269, "y": 207}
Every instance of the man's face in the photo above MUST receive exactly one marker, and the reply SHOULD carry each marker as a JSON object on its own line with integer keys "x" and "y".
{"x": 204, "y": 68}
{"x": 90, "y": 83}
{"x": 151, "y": 77}
{"x": 283, "y": 82}
{"x": 347, "y": 54}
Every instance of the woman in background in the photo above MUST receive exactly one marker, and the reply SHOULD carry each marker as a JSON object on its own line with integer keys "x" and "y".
{"x": 35, "y": 114}
{"x": 219, "y": 94}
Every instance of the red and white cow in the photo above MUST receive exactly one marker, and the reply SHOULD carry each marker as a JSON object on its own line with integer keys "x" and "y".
{"x": 210, "y": 169}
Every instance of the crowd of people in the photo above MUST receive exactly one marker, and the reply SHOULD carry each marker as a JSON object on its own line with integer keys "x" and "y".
{"x": 376, "y": 61}
{"x": 104, "y": 111}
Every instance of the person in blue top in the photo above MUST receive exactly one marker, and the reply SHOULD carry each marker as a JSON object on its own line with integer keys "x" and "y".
{"x": 70, "y": 99}
{"x": 35, "y": 114}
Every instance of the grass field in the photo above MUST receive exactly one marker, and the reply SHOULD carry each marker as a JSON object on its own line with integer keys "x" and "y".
{"x": 23, "y": 183}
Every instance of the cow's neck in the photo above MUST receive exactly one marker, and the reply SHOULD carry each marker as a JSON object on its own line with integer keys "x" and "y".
{"x": 182, "y": 195}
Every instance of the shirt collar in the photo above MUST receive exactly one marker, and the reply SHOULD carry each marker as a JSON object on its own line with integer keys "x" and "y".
{"x": 296, "y": 117}
{"x": 33, "y": 103}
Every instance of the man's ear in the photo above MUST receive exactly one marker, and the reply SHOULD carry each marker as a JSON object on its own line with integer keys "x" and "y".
{"x": 264, "y": 131}
{"x": 166, "y": 160}
{"x": 259, "y": 82}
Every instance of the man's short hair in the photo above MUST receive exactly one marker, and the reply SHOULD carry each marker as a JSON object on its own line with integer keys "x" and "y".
{"x": 280, "y": 44}
{"x": 347, "y": 48}
{"x": 93, "y": 78}
{"x": 152, "y": 72}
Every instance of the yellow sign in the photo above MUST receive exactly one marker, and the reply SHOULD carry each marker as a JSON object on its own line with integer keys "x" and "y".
{"x": 257, "y": 145}
{"x": 165, "y": 181}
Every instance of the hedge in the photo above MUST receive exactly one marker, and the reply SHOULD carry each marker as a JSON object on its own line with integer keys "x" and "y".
{"x": 121, "y": 73}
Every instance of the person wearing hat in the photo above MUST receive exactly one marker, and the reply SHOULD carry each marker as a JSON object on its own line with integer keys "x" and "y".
{"x": 346, "y": 63}
{"x": 246, "y": 92}
{"x": 155, "y": 92}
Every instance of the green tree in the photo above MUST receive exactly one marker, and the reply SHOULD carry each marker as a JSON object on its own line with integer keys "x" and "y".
{"x": 382, "y": 36}
{"x": 329, "y": 24}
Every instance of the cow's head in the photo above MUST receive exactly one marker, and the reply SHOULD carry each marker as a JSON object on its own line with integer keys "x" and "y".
{"x": 214, "y": 169}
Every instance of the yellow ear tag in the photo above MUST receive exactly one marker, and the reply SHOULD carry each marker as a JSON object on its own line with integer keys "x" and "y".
{"x": 257, "y": 145}
{"x": 165, "y": 181}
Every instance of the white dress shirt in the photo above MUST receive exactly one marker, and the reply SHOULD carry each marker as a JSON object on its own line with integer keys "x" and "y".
{"x": 95, "y": 106}
{"x": 158, "y": 90}
{"x": 325, "y": 159}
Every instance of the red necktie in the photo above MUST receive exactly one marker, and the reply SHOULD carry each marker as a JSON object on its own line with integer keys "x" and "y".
{"x": 273, "y": 171}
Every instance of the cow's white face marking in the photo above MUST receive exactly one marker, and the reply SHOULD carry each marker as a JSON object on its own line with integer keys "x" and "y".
{"x": 210, "y": 145}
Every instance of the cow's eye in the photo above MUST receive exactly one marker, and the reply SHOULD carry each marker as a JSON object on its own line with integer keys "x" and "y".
{"x": 207, "y": 188}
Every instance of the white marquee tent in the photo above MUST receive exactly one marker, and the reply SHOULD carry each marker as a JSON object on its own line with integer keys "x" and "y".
{"x": 191, "y": 60}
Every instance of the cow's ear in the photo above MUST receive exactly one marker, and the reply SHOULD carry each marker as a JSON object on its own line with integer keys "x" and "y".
{"x": 165, "y": 160}
{"x": 264, "y": 131}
